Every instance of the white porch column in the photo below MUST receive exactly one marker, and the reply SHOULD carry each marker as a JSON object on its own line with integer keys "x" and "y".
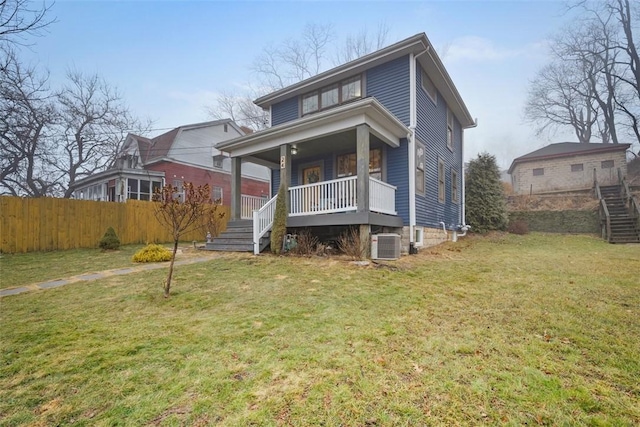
{"x": 236, "y": 188}
{"x": 362, "y": 161}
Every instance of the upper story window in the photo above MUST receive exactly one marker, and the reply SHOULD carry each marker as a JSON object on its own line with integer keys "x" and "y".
{"x": 449, "y": 129}
{"x": 429, "y": 87}
{"x": 538, "y": 171}
{"x": 577, "y": 167}
{"x": 329, "y": 96}
{"x": 310, "y": 103}
{"x": 332, "y": 95}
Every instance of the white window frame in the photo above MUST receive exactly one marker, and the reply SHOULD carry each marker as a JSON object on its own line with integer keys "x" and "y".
{"x": 215, "y": 190}
{"x": 442, "y": 190}
{"x": 430, "y": 88}
{"x": 418, "y": 236}
{"x": 450, "y": 130}
{"x": 421, "y": 169}
{"x": 455, "y": 187}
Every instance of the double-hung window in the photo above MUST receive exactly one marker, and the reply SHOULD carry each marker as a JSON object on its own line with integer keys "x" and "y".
{"x": 449, "y": 129}
{"x": 329, "y": 96}
{"x": 441, "y": 189}
{"x": 420, "y": 162}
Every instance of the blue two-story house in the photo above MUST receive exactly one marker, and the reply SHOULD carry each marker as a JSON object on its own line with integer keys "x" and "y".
{"x": 375, "y": 143}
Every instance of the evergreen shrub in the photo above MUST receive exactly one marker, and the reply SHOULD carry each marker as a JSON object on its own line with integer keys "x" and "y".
{"x": 110, "y": 240}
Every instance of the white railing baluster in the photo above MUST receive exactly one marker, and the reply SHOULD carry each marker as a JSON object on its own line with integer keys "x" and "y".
{"x": 248, "y": 204}
{"x": 382, "y": 197}
{"x": 262, "y": 222}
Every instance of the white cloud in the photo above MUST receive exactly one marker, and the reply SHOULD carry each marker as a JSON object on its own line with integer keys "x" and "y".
{"x": 474, "y": 48}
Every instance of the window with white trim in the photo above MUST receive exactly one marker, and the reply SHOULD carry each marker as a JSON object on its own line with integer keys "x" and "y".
{"x": 420, "y": 167}
{"x": 418, "y": 236}
{"x": 441, "y": 180}
{"x": 429, "y": 87}
{"x": 216, "y": 195}
{"x": 449, "y": 129}
{"x": 455, "y": 192}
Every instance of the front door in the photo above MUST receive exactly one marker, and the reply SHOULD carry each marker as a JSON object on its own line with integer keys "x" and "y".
{"x": 311, "y": 195}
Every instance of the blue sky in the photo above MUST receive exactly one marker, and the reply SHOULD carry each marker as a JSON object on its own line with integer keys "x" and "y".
{"x": 170, "y": 58}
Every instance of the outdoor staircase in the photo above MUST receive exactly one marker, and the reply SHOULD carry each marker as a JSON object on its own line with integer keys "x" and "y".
{"x": 624, "y": 228}
{"x": 238, "y": 237}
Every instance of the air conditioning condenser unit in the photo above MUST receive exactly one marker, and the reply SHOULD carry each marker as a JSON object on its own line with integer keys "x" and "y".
{"x": 385, "y": 246}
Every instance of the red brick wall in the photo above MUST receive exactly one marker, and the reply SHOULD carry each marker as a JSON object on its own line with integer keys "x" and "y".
{"x": 198, "y": 176}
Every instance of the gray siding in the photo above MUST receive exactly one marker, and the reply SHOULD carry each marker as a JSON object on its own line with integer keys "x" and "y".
{"x": 389, "y": 84}
{"x": 275, "y": 181}
{"x": 284, "y": 111}
{"x": 432, "y": 132}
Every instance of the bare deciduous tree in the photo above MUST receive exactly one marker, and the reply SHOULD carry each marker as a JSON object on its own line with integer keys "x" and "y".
{"x": 595, "y": 66}
{"x": 27, "y": 113}
{"x": 291, "y": 61}
{"x": 93, "y": 124}
{"x": 20, "y": 17}
{"x": 181, "y": 216}
{"x": 240, "y": 109}
{"x": 362, "y": 43}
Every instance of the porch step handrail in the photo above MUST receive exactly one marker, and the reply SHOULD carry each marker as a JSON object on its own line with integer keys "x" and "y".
{"x": 629, "y": 200}
{"x": 248, "y": 204}
{"x": 603, "y": 211}
{"x": 382, "y": 197}
{"x": 337, "y": 195}
{"x": 262, "y": 222}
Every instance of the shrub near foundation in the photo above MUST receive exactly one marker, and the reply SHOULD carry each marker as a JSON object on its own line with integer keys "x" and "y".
{"x": 152, "y": 253}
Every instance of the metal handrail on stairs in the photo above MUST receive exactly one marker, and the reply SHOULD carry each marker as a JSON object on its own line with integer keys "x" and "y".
{"x": 632, "y": 205}
{"x": 603, "y": 211}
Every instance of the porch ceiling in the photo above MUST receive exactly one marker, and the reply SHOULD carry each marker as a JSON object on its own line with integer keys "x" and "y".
{"x": 329, "y": 130}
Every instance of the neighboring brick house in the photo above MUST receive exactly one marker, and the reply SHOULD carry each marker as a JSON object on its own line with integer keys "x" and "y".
{"x": 184, "y": 154}
{"x": 567, "y": 166}
{"x": 375, "y": 143}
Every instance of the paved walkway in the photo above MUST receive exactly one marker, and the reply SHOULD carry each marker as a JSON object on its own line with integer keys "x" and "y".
{"x": 88, "y": 277}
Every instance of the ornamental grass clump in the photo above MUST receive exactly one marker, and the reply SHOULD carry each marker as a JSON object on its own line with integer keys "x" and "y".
{"x": 152, "y": 253}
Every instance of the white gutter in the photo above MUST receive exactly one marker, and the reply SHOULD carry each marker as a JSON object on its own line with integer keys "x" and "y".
{"x": 411, "y": 137}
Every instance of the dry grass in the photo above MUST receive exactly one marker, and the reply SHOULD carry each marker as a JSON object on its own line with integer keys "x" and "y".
{"x": 551, "y": 203}
{"x": 502, "y": 329}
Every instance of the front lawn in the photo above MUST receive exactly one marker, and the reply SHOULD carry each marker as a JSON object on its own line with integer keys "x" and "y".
{"x": 537, "y": 329}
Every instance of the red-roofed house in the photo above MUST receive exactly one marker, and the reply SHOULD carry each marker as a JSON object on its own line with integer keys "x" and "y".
{"x": 185, "y": 153}
{"x": 568, "y": 166}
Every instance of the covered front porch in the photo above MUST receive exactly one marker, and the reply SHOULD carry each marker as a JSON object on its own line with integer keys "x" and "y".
{"x": 334, "y": 167}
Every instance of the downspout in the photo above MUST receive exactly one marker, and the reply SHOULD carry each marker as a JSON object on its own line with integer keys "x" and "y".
{"x": 463, "y": 219}
{"x": 411, "y": 139}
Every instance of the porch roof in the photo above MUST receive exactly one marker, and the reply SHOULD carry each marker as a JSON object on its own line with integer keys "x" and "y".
{"x": 382, "y": 124}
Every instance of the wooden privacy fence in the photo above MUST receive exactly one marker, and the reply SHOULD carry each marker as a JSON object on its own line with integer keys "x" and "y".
{"x": 47, "y": 224}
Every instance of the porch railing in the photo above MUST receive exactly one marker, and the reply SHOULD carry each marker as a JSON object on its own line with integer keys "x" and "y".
{"x": 248, "y": 204}
{"x": 603, "y": 211}
{"x": 338, "y": 195}
{"x": 262, "y": 222}
{"x": 630, "y": 202}
{"x": 382, "y": 197}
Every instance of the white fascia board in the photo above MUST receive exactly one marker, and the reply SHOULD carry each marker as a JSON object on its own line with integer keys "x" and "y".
{"x": 368, "y": 111}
